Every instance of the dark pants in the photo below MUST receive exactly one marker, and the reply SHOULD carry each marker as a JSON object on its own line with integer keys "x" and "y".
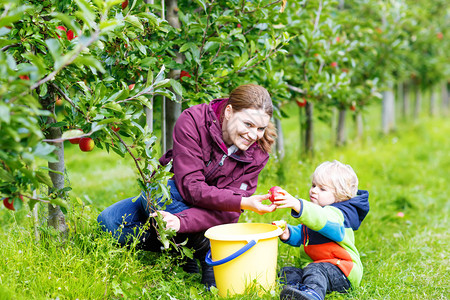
{"x": 321, "y": 277}
{"x": 126, "y": 220}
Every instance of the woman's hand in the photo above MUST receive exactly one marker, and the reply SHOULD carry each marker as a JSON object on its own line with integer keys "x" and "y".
{"x": 171, "y": 220}
{"x": 253, "y": 203}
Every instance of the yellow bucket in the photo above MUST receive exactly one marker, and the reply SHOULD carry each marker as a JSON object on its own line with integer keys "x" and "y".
{"x": 242, "y": 256}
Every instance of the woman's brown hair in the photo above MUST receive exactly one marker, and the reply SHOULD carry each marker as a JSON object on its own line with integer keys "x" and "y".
{"x": 255, "y": 97}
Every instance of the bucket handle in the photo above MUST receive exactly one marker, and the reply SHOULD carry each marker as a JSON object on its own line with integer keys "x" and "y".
{"x": 236, "y": 254}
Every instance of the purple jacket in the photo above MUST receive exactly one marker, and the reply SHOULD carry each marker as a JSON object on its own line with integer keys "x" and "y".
{"x": 204, "y": 175}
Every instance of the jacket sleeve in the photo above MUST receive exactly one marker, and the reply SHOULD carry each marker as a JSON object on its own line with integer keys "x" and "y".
{"x": 327, "y": 220}
{"x": 295, "y": 238}
{"x": 198, "y": 219}
{"x": 188, "y": 166}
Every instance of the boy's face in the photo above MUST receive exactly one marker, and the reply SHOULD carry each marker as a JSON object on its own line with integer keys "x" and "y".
{"x": 321, "y": 195}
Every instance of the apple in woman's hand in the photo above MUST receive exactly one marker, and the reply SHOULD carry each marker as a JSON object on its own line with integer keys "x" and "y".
{"x": 274, "y": 192}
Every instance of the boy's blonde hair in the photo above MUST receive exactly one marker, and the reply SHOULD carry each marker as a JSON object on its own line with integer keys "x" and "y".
{"x": 339, "y": 177}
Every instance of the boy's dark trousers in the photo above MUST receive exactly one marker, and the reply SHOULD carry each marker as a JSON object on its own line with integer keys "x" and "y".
{"x": 321, "y": 277}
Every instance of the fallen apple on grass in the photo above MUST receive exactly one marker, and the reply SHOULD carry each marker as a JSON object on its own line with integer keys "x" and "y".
{"x": 86, "y": 144}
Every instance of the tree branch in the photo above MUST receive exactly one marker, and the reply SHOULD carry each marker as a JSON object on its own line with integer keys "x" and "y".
{"x": 66, "y": 97}
{"x": 134, "y": 158}
{"x": 295, "y": 89}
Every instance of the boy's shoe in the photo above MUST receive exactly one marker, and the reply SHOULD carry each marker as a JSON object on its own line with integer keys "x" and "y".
{"x": 299, "y": 292}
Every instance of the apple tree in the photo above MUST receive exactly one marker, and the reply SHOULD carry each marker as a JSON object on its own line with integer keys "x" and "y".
{"x": 52, "y": 50}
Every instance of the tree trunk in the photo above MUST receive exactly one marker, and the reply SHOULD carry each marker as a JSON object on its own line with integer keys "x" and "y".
{"x": 444, "y": 96}
{"x": 280, "y": 139}
{"x": 309, "y": 129}
{"x": 149, "y": 116}
{"x": 359, "y": 126}
{"x": 433, "y": 100}
{"x": 388, "y": 111}
{"x": 417, "y": 102}
{"x": 56, "y": 218}
{"x": 173, "y": 109}
{"x": 405, "y": 100}
{"x": 341, "y": 133}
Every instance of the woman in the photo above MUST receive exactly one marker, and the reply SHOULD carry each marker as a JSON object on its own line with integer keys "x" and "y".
{"x": 219, "y": 149}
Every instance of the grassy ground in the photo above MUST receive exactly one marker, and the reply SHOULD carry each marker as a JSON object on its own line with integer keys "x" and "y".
{"x": 404, "y": 257}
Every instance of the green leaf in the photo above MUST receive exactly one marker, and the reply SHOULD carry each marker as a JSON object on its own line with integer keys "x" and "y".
{"x": 59, "y": 202}
{"x": 87, "y": 13}
{"x": 44, "y": 178}
{"x": 186, "y": 47}
{"x": 140, "y": 47}
{"x": 133, "y": 20}
{"x": 177, "y": 87}
{"x": 109, "y": 25}
{"x": 90, "y": 61}
{"x": 43, "y": 150}
{"x": 4, "y": 113}
{"x": 6, "y": 176}
{"x": 54, "y": 48}
{"x": 202, "y": 4}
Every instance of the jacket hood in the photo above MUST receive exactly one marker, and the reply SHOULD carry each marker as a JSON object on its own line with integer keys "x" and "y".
{"x": 355, "y": 209}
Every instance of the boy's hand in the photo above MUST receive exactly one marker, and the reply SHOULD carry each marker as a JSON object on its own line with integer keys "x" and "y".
{"x": 283, "y": 226}
{"x": 283, "y": 199}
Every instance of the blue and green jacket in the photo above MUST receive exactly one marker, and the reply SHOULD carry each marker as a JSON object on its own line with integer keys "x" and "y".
{"x": 326, "y": 234}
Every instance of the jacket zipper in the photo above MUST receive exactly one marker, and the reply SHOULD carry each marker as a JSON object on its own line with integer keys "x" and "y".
{"x": 215, "y": 168}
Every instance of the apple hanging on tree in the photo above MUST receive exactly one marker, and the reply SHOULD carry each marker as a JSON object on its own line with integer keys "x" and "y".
{"x": 301, "y": 103}
{"x": 86, "y": 144}
{"x": 76, "y": 140}
{"x": 184, "y": 74}
{"x": 9, "y": 203}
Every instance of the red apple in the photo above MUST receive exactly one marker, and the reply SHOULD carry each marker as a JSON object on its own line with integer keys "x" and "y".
{"x": 124, "y": 4}
{"x": 439, "y": 35}
{"x": 334, "y": 64}
{"x": 301, "y": 103}
{"x": 24, "y": 77}
{"x": 86, "y": 144}
{"x": 239, "y": 25}
{"x": 337, "y": 39}
{"x": 9, "y": 204}
{"x": 115, "y": 128}
{"x": 76, "y": 140}
{"x": 59, "y": 102}
{"x": 274, "y": 192}
{"x": 70, "y": 35}
{"x": 353, "y": 106}
{"x": 131, "y": 86}
{"x": 184, "y": 74}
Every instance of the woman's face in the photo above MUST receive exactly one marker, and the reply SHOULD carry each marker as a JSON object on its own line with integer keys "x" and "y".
{"x": 243, "y": 128}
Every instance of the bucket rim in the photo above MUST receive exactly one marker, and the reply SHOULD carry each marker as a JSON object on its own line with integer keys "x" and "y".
{"x": 244, "y": 237}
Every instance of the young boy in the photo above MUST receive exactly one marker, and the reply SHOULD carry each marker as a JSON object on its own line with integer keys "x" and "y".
{"x": 325, "y": 234}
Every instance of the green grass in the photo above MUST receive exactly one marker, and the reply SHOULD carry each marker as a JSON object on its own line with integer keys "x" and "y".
{"x": 404, "y": 257}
